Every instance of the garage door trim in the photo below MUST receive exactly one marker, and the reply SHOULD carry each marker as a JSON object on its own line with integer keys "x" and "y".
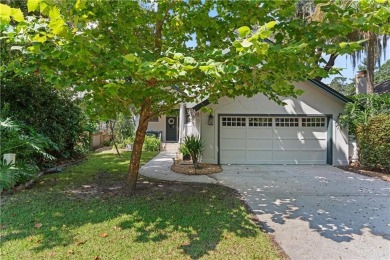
{"x": 329, "y": 130}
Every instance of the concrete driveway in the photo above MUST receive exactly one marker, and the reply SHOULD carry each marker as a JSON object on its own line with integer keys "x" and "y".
{"x": 317, "y": 212}
{"x": 313, "y": 212}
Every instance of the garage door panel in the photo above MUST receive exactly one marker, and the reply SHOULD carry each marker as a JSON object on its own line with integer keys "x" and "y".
{"x": 314, "y": 134}
{"x": 233, "y": 132}
{"x": 311, "y": 145}
{"x": 259, "y": 156}
{"x": 233, "y": 156}
{"x": 313, "y": 157}
{"x": 286, "y": 156}
{"x": 281, "y": 133}
{"x": 233, "y": 143}
{"x": 287, "y": 144}
{"x": 259, "y": 144}
{"x": 259, "y": 132}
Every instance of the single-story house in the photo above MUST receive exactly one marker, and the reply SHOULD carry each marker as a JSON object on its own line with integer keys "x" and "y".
{"x": 259, "y": 131}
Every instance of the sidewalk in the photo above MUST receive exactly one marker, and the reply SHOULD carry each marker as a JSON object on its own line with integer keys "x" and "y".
{"x": 160, "y": 168}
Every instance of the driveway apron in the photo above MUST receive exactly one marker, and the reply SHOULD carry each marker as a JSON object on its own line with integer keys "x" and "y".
{"x": 317, "y": 212}
{"x": 313, "y": 211}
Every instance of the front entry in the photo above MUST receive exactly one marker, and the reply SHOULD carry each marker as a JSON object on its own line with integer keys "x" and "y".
{"x": 171, "y": 129}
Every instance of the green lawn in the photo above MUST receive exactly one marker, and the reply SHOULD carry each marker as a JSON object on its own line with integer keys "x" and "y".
{"x": 85, "y": 213}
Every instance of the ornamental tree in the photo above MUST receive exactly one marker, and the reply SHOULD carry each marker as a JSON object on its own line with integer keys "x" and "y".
{"x": 139, "y": 53}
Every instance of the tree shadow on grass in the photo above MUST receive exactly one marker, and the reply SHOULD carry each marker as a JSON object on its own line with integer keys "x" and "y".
{"x": 204, "y": 216}
{"x": 203, "y": 213}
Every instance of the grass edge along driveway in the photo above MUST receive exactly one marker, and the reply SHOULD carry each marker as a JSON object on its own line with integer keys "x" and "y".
{"x": 85, "y": 213}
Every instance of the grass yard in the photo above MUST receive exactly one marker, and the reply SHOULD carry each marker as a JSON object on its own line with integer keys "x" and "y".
{"x": 85, "y": 213}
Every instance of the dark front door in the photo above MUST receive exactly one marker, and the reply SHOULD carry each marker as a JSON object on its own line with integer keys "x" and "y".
{"x": 171, "y": 128}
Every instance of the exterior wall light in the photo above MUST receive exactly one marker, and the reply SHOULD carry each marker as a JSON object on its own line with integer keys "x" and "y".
{"x": 211, "y": 120}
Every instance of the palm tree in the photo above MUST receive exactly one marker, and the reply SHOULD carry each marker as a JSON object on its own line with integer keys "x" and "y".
{"x": 373, "y": 47}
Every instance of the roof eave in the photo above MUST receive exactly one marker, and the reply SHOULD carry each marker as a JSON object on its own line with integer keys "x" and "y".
{"x": 330, "y": 90}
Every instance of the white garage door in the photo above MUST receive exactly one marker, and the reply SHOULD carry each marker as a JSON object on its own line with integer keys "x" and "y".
{"x": 272, "y": 140}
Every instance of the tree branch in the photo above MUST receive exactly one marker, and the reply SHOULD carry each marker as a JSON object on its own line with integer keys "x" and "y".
{"x": 329, "y": 64}
{"x": 159, "y": 27}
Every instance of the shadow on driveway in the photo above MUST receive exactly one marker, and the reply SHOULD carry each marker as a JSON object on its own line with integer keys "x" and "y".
{"x": 335, "y": 204}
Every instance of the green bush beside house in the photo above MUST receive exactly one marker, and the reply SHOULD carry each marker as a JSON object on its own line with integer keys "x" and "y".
{"x": 368, "y": 118}
{"x": 374, "y": 142}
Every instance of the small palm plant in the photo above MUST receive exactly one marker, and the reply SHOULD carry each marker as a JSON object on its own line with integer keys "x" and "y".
{"x": 195, "y": 146}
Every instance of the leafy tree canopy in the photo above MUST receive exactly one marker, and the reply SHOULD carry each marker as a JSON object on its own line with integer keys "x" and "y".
{"x": 136, "y": 52}
{"x": 383, "y": 73}
{"x": 342, "y": 85}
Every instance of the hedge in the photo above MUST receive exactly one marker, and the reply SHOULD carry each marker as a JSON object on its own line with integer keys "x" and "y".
{"x": 374, "y": 142}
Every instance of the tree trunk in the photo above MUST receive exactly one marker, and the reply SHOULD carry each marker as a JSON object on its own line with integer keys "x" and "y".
{"x": 370, "y": 62}
{"x": 137, "y": 146}
{"x": 329, "y": 64}
{"x": 113, "y": 137}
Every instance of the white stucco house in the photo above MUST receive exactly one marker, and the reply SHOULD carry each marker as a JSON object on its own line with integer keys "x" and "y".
{"x": 259, "y": 131}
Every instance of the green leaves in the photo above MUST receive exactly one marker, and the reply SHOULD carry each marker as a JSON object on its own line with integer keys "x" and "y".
{"x": 7, "y": 12}
{"x": 80, "y": 4}
{"x": 56, "y": 21}
{"x": 132, "y": 58}
{"x": 349, "y": 47}
{"x": 112, "y": 88}
{"x": 243, "y": 31}
{"x": 17, "y": 14}
{"x": 39, "y": 38}
{"x": 32, "y": 5}
{"x": 245, "y": 43}
{"x": 270, "y": 25}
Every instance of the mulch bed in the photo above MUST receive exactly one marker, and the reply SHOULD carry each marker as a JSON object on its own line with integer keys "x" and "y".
{"x": 186, "y": 167}
{"x": 367, "y": 171}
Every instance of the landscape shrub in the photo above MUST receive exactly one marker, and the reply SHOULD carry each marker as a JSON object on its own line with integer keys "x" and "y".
{"x": 185, "y": 152}
{"x": 27, "y": 145}
{"x": 49, "y": 112}
{"x": 151, "y": 144}
{"x": 129, "y": 140}
{"x": 374, "y": 142}
{"x": 362, "y": 108}
{"x": 195, "y": 146}
{"x": 124, "y": 128}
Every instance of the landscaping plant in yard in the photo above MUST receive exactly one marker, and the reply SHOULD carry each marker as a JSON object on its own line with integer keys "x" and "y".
{"x": 195, "y": 146}
{"x": 27, "y": 145}
{"x": 86, "y": 213}
{"x": 367, "y": 117}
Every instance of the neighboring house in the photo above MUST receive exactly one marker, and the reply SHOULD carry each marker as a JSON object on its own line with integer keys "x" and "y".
{"x": 361, "y": 84}
{"x": 383, "y": 87}
{"x": 259, "y": 131}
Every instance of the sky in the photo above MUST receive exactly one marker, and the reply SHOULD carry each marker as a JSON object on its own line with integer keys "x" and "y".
{"x": 348, "y": 71}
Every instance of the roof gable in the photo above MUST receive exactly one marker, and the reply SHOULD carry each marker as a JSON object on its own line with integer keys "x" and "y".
{"x": 329, "y": 90}
{"x": 313, "y": 82}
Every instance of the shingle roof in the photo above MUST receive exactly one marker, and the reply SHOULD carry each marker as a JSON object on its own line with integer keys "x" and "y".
{"x": 383, "y": 87}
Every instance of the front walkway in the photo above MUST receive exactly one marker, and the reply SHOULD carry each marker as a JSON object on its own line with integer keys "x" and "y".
{"x": 313, "y": 212}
